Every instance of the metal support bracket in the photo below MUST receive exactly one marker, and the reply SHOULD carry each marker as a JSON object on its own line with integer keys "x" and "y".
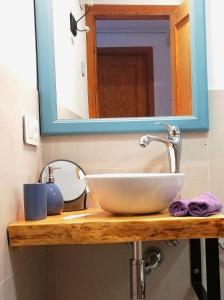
{"x": 212, "y": 269}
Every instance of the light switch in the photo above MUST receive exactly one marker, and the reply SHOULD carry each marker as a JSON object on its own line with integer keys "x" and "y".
{"x": 31, "y": 134}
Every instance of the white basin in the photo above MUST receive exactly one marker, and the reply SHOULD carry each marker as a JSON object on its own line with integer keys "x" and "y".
{"x": 134, "y": 193}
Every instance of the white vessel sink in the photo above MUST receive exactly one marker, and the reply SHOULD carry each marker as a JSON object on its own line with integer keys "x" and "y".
{"x": 134, "y": 193}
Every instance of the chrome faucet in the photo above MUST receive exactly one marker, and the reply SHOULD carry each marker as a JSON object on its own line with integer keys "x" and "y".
{"x": 173, "y": 144}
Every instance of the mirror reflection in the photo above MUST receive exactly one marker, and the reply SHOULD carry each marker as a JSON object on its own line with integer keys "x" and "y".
{"x": 141, "y": 66}
{"x": 133, "y": 68}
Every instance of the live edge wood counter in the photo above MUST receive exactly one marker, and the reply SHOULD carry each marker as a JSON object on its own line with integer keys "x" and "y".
{"x": 94, "y": 226}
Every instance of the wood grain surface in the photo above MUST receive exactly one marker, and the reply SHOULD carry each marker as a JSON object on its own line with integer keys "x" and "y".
{"x": 94, "y": 226}
{"x": 125, "y": 82}
{"x": 181, "y": 60}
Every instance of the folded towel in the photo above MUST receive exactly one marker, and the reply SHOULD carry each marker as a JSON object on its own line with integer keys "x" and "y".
{"x": 179, "y": 208}
{"x": 204, "y": 205}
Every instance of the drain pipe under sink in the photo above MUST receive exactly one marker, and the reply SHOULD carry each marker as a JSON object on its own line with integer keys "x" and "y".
{"x": 139, "y": 266}
{"x": 137, "y": 273}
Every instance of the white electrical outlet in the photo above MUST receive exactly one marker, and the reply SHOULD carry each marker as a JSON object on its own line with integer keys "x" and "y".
{"x": 31, "y": 133}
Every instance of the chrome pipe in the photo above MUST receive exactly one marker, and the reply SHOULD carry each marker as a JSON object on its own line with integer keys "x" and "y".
{"x": 153, "y": 258}
{"x": 137, "y": 266}
{"x": 137, "y": 246}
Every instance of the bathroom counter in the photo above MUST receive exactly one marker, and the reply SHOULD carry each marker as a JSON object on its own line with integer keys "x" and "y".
{"x": 94, "y": 226}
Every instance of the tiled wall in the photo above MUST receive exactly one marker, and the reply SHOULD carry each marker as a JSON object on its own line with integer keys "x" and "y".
{"x": 22, "y": 272}
{"x": 85, "y": 272}
{"x": 102, "y": 272}
{"x": 96, "y": 272}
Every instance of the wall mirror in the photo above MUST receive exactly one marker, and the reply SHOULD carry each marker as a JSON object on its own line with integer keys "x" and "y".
{"x": 145, "y": 64}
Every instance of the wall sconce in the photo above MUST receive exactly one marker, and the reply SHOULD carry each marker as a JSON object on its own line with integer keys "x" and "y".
{"x": 74, "y": 23}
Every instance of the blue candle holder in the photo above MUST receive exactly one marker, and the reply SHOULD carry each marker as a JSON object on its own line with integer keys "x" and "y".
{"x": 35, "y": 201}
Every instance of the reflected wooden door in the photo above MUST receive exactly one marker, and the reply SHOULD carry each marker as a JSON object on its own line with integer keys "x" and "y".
{"x": 125, "y": 86}
{"x": 181, "y": 60}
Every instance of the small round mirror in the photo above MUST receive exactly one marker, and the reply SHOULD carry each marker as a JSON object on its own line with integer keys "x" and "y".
{"x": 69, "y": 177}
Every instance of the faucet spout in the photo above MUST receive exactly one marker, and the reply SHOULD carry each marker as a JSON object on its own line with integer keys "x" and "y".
{"x": 147, "y": 139}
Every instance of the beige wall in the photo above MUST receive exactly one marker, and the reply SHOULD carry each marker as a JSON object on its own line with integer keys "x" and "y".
{"x": 104, "y": 269}
{"x": 86, "y": 272}
{"x": 102, "y": 272}
{"x": 22, "y": 271}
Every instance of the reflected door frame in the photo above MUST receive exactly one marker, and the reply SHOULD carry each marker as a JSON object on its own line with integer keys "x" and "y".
{"x": 115, "y": 12}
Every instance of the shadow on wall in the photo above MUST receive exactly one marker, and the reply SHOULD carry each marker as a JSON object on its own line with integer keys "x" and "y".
{"x": 25, "y": 274}
{"x": 100, "y": 272}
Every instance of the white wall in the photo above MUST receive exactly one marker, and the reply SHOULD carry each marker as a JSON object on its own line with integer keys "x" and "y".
{"x": 161, "y": 55}
{"x": 215, "y": 42}
{"x": 101, "y": 272}
{"x": 16, "y": 51}
{"x": 22, "y": 275}
{"x": 69, "y": 53}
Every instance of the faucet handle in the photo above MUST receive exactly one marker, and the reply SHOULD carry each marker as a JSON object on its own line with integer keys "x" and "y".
{"x": 172, "y": 130}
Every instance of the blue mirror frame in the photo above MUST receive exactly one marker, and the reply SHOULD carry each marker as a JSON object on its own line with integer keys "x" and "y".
{"x": 50, "y": 125}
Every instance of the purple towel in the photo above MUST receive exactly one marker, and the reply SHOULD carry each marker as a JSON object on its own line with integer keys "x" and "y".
{"x": 179, "y": 208}
{"x": 204, "y": 205}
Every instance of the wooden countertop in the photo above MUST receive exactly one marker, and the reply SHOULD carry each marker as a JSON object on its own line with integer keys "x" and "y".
{"x": 94, "y": 226}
